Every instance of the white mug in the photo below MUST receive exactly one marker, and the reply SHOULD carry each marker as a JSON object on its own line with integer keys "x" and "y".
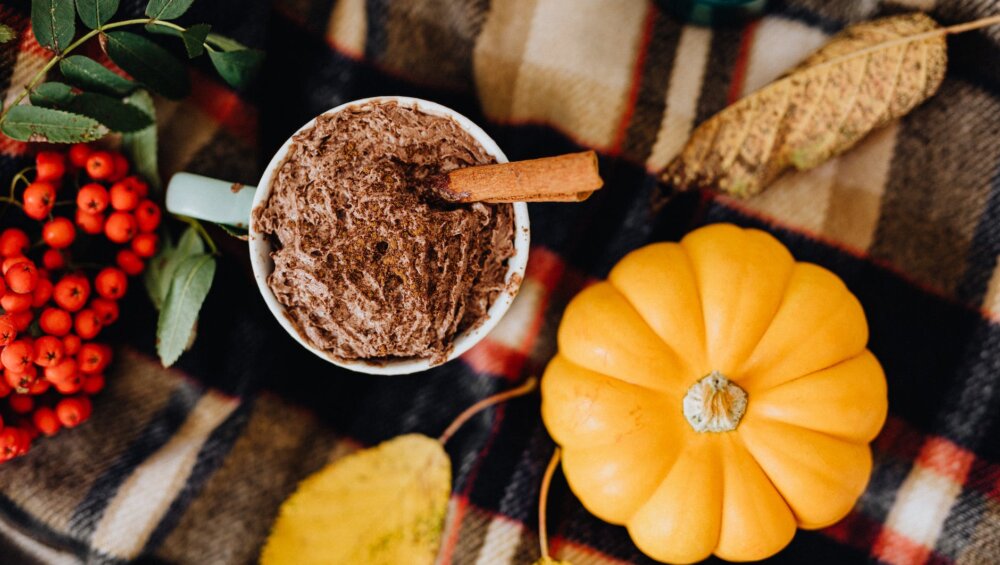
{"x": 214, "y": 200}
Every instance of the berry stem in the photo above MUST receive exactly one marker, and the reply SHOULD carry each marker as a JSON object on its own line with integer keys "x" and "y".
{"x": 201, "y": 231}
{"x": 9, "y": 200}
{"x": 526, "y": 387}
{"x": 543, "y": 497}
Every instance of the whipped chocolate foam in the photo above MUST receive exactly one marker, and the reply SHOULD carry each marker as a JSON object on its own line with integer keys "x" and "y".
{"x": 367, "y": 262}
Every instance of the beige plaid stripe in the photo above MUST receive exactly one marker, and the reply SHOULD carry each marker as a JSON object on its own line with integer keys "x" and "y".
{"x": 347, "y": 29}
{"x": 682, "y": 94}
{"x": 230, "y": 519}
{"x": 146, "y": 495}
{"x": 576, "y": 65}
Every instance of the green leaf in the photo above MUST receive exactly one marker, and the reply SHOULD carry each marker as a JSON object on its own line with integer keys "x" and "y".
{"x": 51, "y": 95}
{"x": 33, "y": 123}
{"x": 6, "y": 34}
{"x": 140, "y": 146}
{"x": 148, "y": 63}
{"x": 237, "y": 67}
{"x": 167, "y": 9}
{"x": 53, "y": 22}
{"x": 113, "y": 113}
{"x": 224, "y": 43}
{"x": 160, "y": 271}
{"x": 96, "y": 13}
{"x": 188, "y": 289}
{"x": 193, "y": 37}
{"x": 88, "y": 74}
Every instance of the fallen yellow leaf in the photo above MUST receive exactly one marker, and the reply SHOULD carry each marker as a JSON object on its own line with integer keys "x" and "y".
{"x": 383, "y": 505}
{"x": 550, "y": 561}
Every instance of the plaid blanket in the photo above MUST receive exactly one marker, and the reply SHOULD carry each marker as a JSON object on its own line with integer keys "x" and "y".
{"x": 190, "y": 465}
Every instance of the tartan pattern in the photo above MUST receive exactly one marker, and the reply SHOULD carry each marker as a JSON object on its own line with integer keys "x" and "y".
{"x": 190, "y": 465}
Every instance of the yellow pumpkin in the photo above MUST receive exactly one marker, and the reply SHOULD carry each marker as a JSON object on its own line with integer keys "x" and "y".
{"x": 714, "y": 394}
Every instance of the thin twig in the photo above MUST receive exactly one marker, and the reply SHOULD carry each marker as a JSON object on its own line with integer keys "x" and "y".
{"x": 528, "y": 386}
{"x": 543, "y": 497}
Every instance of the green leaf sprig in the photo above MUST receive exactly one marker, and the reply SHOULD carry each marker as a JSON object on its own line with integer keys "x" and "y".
{"x": 58, "y": 113}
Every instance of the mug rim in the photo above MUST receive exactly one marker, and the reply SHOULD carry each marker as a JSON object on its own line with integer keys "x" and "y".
{"x": 262, "y": 264}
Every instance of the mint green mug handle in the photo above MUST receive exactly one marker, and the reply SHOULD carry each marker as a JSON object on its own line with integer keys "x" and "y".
{"x": 210, "y": 199}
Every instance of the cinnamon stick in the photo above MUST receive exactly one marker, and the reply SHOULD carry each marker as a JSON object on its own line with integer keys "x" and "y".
{"x": 565, "y": 178}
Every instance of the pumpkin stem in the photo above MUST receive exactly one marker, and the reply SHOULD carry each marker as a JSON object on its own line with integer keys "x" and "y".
{"x": 714, "y": 404}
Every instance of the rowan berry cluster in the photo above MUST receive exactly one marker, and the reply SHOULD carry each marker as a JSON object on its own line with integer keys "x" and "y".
{"x": 53, "y": 307}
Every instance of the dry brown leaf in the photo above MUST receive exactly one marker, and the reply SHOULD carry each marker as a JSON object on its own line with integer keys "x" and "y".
{"x": 380, "y": 506}
{"x": 863, "y": 78}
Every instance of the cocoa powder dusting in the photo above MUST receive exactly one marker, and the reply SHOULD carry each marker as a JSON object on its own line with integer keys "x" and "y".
{"x": 367, "y": 262}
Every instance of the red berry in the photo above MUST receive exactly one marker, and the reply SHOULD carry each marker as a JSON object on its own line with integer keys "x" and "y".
{"x": 21, "y": 381}
{"x": 147, "y": 216}
{"x": 58, "y": 233}
{"x": 13, "y": 242}
{"x": 71, "y": 385}
{"x": 8, "y": 331}
{"x": 21, "y": 403}
{"x": 42, "y": 293}
{"x": 92, "y": 224}
{"x": 123, "y": 196}
{"x": 72, "y": 292}
{"x": 72, "y": 344}
{"x": 73, "y": 411}
{"x": 11, "y": 261}
{"x": 22, "y": 320}
{"x": 48, "y": 350}
{"x": 39, "y": 197}
{"x": 53, "y": 259}
{"x": 100, "y": 165}
{"x": 120, "y": 227}
{"x": 13, "y": 442}
{"x": 121, "y": 167}
{"x": 106, "y": 309}
{"x": 46, "y": 421}
{"x": 14, "y": 303}
{"x": 93, "y": 384}
{"x": 145, "y": 244}
{"x": 93, "y": 358}
{"x": 111, "y": 283}
{"x": 138, "y": 185}
{"x": 92, "y": 198}
{"x": 54, "y": 321}
{"x": 130, "y": 262}
{"x": 62, "y": 371}
{"x": 50, "y": 165}
{"x": 78, "y": 154}
{"x": 5, "y": 390}
{"x": 87, "y": 324}
{"x": 41, "y": 386}
{"x": 18, "y": 356}
{"x": 21, "y": 277}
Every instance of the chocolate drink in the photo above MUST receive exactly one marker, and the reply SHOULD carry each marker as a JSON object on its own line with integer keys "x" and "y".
{"x": 367, "y": 262}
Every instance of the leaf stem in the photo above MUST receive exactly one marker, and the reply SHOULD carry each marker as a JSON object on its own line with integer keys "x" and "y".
{"x": 528, "y": 386}
{"x": 80, "y": 41}
{"x": 974, "y": 24}
{"x": 543, "y": 496}
{"x": 201, "y": 231}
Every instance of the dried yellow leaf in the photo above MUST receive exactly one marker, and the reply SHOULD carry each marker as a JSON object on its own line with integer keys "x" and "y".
{"x": 383, "y": 505}
{"x": 863, "y": 78}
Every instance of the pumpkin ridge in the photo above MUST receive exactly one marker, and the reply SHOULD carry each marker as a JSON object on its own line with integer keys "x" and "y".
{"x": 746, "y": 234}
{"x": 846, "y": 304}
{"x": 684, "y": 358}
{"x": 689, "y": 357}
